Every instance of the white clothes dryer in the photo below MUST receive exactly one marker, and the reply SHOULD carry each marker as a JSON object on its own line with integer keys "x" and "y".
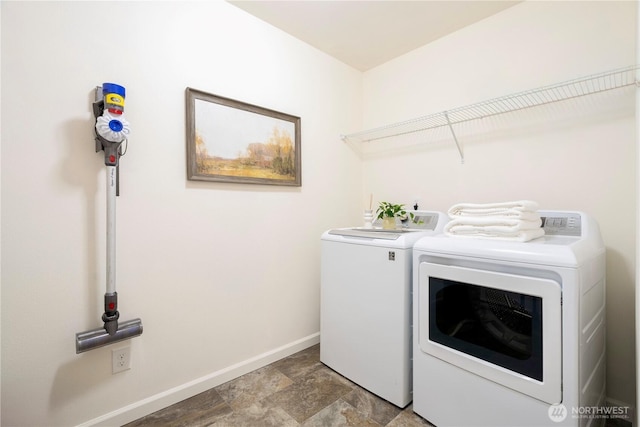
{"x": 511, "y": 334}
{"x": 365, "y": 305}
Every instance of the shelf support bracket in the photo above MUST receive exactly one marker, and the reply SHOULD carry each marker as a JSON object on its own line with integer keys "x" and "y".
{"x": 446, "y": 116}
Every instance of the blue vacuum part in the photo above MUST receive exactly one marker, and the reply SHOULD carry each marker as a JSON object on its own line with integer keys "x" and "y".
{"x": 113, "y": 88}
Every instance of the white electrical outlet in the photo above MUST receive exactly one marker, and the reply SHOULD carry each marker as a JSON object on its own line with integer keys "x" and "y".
{"x": 120, "y": 359}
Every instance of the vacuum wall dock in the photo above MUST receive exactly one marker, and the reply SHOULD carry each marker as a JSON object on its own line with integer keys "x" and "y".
{"x": 99, "y": 337}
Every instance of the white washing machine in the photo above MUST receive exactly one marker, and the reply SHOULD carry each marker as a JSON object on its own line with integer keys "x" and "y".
{"x": 511, "y": 334}
{"x": 365, "y": 306}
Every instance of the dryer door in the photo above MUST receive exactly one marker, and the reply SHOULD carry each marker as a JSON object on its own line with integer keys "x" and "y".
{"x": 504, "y": 327}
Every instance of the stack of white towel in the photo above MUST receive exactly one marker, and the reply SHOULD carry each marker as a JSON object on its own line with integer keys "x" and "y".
{"x": 516, "y": 221}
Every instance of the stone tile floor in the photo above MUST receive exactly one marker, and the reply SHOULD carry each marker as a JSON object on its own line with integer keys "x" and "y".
{"x": 295, "y": 391}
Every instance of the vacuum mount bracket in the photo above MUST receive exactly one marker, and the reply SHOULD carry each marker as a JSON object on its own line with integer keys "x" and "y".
{"x": 112, "y": 150}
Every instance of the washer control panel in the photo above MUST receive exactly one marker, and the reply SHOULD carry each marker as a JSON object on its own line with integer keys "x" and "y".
{"x": 421, "y": 220}
{"x": 562, "y": 224}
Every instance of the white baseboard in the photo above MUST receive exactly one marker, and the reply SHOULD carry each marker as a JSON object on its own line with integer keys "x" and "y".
{"x": 176, "y": 394}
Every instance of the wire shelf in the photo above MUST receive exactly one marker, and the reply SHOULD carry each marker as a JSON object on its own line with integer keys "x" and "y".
{"x": 596, "y": 83}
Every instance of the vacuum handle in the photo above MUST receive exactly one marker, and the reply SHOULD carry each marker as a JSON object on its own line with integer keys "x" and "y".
{"x": 111, "y": 228}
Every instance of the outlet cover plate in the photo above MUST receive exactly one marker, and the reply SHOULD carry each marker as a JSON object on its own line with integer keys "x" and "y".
{"x": 120, "y": 359}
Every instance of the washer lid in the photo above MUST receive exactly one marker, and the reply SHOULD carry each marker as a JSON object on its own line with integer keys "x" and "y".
{"x": 426, "y": 223}
{"x": 400, "y": 239}
{"x": 369, "y": 233}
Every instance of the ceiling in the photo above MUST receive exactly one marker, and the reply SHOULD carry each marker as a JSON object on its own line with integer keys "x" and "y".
{"x": 364, "y": 33}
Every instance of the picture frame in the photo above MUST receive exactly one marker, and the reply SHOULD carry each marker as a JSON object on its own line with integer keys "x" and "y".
{"x": 232, "y": 141}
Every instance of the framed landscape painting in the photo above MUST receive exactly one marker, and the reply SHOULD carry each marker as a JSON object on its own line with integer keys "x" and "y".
{"x": 232, "y": 141}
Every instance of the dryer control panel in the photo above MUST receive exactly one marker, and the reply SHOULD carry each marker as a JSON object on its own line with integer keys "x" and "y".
{"x": 562, "y": 224}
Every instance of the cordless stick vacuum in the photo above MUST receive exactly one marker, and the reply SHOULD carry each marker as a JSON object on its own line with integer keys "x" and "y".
{"x": 111, "y": 131}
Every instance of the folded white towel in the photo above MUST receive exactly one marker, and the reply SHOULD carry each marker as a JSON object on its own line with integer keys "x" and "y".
{"x": 518, "y": 236}
{"x": 502, "y": 228}
{"x": 504, "y": 222}
{"x": 522, "y": 209}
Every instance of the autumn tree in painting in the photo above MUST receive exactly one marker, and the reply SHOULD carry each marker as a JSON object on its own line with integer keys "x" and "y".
{"x": 276, "y": 154}
{"x": 201, "y": 153}
{"x": 257, "y": 154}
{"x": 281, "y": 146}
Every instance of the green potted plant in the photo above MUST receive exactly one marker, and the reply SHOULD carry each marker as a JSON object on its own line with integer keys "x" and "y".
{"x": 388, "y": 212}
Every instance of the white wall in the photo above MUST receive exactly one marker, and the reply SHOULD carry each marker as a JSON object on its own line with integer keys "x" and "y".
{"x": 578, "y": 155}
{"x": 224, "y": 276}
